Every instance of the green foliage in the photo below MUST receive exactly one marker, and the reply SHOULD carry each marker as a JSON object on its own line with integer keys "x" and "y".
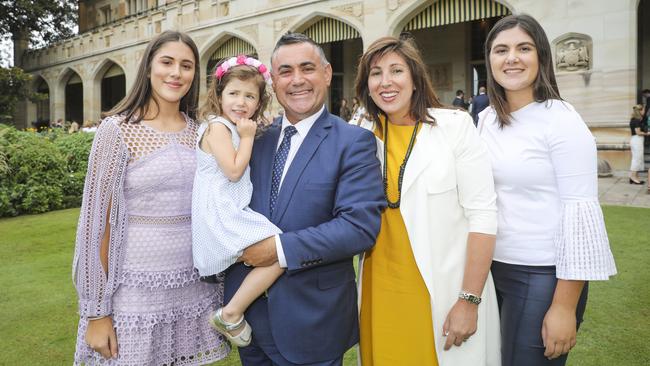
{"x": 46, "y": 21}
{"x": 14, "y": 87}
{"x": 75, "y": 148}
{"x": 43, "y": 171}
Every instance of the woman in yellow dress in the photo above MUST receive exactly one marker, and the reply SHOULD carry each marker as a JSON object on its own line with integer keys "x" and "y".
{"x": 427, "y": 297}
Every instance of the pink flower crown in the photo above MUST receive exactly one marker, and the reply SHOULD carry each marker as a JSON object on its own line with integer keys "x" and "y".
{"x": 223, "y": 68}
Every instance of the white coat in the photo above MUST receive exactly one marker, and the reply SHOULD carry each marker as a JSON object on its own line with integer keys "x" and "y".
{"x": 447, "y": 192}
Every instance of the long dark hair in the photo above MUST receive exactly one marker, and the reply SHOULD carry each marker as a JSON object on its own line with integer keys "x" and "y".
{"x": 544, "y": 86}
{"x": 423, "y": 97}
{"x": 136, "y": 103}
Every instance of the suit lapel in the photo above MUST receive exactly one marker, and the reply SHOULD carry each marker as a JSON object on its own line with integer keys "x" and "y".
{"x": 265, "y": 165}
{"x": 307, "y": 149}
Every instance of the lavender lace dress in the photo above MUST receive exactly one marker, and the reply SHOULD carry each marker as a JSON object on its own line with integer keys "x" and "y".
{"x": 160, "y": 309}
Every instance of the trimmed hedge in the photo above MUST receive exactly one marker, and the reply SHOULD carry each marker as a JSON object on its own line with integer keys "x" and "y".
{"x": 40, "y": 172}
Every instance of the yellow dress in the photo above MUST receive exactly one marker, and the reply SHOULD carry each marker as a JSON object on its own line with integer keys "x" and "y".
{"x": 396, "y": 325}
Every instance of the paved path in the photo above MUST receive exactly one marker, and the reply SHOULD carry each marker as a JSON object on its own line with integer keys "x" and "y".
{"x": 618, "y": 191}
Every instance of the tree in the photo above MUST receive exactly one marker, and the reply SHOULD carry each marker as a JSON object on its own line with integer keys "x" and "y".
{"x": 14, "y": 87}
{"x": 42, "y": 21}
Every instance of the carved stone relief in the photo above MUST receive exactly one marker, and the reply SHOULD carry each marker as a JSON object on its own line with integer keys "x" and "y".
{"x": 122, "y": 59}
{"x": 573, "y": 52}
{"x": 251, "y": 30}
{"x": 354, "y": 9}
{"x": 394, "y": 4}
{"x": 224, "y": 8}
{"x": 280, "y": 25}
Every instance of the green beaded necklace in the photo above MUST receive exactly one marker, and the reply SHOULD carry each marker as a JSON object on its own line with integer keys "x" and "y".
{"x": 401, "y": 168}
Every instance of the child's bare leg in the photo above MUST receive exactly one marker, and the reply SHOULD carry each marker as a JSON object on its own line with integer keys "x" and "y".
{"x": 254, "y": 285}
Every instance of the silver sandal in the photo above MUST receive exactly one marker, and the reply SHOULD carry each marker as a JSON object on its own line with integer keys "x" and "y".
{"x": 242, "y": 339}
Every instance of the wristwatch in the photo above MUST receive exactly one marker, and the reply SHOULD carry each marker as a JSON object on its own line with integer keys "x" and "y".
{"x": 467, "y": 296}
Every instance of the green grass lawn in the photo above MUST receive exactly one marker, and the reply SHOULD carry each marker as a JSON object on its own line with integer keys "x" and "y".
{"x": 38, "y": 303}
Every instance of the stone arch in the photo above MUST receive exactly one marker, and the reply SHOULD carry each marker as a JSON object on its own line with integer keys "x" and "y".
{"x": 402, "y": 16}
{"x": 104, "y": 66}
{"x": 310, "y": 19}
{"x": 209, "y": 48}
{"x": 214, "y": 43}
{"x": 342, "y": 41}
{"x": 450, "y": 35}
{"x": 109, "y": 84}
{"x": 70, "y": 87}
{"x": 65, "y": 76}
{"x": 39, "y": 112}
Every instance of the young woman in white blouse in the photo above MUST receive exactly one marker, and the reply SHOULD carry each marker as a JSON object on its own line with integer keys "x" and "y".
{"x": 551, "y": 235}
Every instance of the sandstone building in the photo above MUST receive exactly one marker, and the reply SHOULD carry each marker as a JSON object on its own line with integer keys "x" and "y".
{"x": 601, "y": 49}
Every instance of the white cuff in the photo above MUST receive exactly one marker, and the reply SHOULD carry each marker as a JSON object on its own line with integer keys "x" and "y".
{"x": 282, "y": 261}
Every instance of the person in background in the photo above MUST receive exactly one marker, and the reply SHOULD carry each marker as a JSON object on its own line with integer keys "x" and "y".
{"x": 479, "y": 103}
{"x": 638, "y": 130}
{"x": 344, "y": 110}
{"x": 358, "y": 111}
{"x": 58, "y": 123}
{"x": 74, "y": 127}
{"x": 645, "y": 101}
{"x": 140, "y": 298}
{"x": 551, "y": 238}
{"x": 89, "y": 126}
{"x": 459, "y": 100}
{"x": 427, "y": 297}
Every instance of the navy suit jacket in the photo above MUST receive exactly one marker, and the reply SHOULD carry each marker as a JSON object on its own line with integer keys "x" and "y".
{"x": 329, "y": 209}
{"x": 479, "y": 103}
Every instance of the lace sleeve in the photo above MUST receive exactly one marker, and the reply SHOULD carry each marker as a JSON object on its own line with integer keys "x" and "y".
{"x": 581, "y": 243}
{"x": 103, "y": 187}
{"x": 582, "y": 246}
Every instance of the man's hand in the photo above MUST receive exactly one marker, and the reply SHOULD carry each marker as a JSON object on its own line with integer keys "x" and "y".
{"x": 261, "y": 254}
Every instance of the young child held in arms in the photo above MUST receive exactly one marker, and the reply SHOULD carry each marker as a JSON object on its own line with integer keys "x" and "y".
{"x": 222, "y": 223}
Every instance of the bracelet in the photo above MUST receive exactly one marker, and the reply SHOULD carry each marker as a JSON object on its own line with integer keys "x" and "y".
{"x": 469, "y": 297}
{"x": 97, "y": 317}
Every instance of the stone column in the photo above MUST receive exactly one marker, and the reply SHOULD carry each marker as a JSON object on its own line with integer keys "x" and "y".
{"x": 92, "y": 98}
{"x": 57, "y": 100}
{"x": 21, "y": 42}
{"x": 21, "y": 115}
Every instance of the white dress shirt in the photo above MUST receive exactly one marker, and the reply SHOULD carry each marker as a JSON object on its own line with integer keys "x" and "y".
{"x": 303, "y": 127}
{"x": 545, "y": 174}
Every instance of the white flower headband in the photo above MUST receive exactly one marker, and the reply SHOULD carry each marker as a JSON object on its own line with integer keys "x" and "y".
{"x": 223, "y": 68}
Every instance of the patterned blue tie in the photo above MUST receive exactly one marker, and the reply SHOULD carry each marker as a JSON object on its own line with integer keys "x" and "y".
{"x": 278, "y": 163}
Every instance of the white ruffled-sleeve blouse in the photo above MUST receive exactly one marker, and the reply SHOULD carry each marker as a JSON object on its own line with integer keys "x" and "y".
{"x": 545, "y": 172}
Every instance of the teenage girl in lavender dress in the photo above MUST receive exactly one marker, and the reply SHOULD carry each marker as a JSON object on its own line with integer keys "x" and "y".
{"x": 140, "y": 298}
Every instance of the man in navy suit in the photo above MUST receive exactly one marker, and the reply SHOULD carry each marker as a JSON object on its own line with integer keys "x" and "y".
{"x": 318, "y": 179}
{"x": 479, "y": 103}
